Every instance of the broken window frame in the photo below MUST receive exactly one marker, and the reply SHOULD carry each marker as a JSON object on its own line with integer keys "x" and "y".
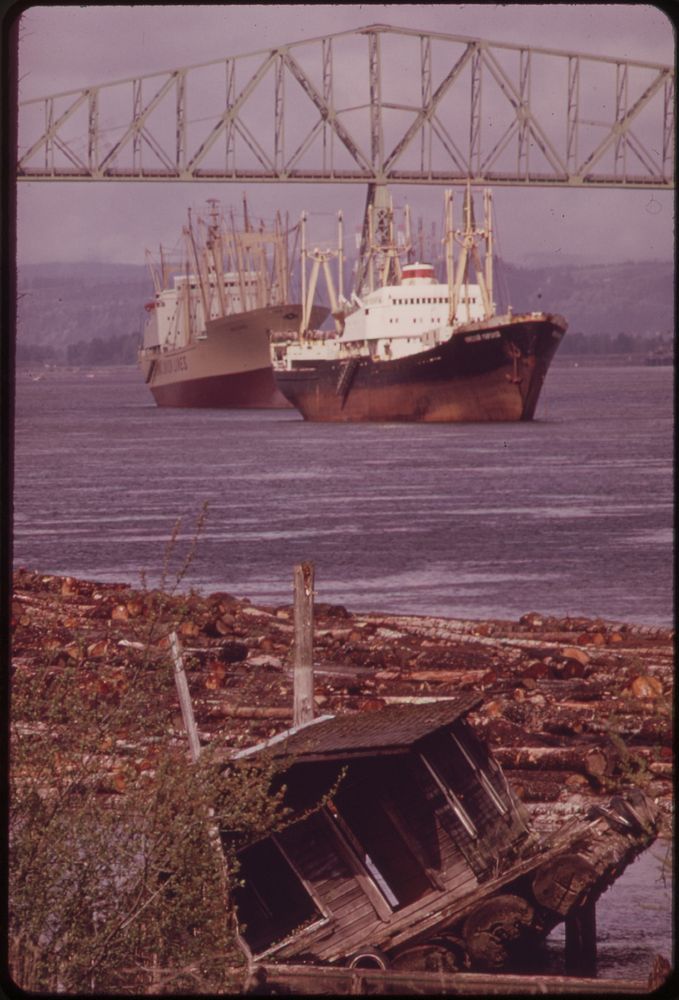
{"x": 411, "y": 841}
{"x": 388, "y": 892}
{"x": 317, "y": 917}
{"x": 452, "y": 799}
{"x": 473, "y": 743}
{"x": 480, "y": 773}
{"x": 353, "y": 851}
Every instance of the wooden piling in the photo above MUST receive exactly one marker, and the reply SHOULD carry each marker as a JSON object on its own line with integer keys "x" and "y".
{"x": 581, "y": 940}
{"x": 303, "y": 710}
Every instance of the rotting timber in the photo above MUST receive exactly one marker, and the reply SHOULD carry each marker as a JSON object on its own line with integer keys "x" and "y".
{"x": 423, "y": 858}
{"x": 574, "y": 709}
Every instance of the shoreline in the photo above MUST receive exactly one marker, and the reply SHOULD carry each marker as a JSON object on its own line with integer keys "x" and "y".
{"x": 562, "y": 360}
{"x": 574, "y": 708}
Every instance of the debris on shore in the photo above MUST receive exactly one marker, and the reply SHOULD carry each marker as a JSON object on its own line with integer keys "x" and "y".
{"x": 573, "y": 708}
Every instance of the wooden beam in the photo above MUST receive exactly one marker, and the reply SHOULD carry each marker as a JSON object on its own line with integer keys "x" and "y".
{"x": 319, "y": 980}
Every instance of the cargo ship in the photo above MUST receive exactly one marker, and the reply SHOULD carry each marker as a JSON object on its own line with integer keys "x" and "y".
{"x": 409, "y": 347}
{"x": 208, "y": 329}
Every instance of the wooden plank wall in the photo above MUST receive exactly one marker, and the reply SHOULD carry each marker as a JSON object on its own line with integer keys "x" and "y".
{"x": 356, "y": 913}
{"x": 354, "y": 922}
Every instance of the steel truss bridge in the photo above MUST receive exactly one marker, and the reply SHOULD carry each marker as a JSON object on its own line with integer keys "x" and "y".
{"x": 378, "y": 106}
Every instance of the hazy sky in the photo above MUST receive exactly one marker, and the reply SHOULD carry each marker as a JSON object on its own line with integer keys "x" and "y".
{"x": 66, "y": 48}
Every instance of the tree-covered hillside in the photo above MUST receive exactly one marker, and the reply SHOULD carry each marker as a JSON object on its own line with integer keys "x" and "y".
{"x": 61, "y": 305}
{"x": 606, "y": 299}
{"x": 93, "y": 313}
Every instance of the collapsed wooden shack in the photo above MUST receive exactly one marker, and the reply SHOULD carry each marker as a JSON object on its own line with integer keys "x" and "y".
{"x": 422, "y": 857}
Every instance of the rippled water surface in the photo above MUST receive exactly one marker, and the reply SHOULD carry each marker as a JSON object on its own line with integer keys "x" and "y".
{"x": 569, "y": 514}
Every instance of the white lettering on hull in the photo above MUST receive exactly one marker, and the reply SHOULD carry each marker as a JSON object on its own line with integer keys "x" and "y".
{"x": 474, "y": 337}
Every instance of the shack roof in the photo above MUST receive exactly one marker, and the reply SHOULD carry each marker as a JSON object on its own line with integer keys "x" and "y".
{"x": 389, "y": 730}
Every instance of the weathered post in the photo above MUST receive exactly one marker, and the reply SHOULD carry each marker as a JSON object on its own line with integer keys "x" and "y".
{"x": 194, "y": 745}
{"x": 184, "y": 697}
{"x": 303, "y": 677}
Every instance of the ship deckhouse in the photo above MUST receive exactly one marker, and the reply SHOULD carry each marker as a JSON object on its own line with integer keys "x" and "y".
{"x": 419, "y": 303}
{"x": 395, "y": 321}
{"x": 398, "y": 320}
{"x": 177, "y": 312}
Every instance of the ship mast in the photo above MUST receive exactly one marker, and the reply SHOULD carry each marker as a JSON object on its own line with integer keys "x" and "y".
{"x": 380, "y": 251}
{"x": 468, "y": 240}
{"x": 488, "y": 250}
{"x": 199, "y": 270}
{"x": 155, "y": 277}
{"x": 213, "y": 244}
{"x": 449, "y": 245}
{"x": 237, "y": 261}
{"x": 320, "y": 261}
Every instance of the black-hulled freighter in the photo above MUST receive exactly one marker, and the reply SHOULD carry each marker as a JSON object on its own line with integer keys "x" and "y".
{"x": 418, "y": 349}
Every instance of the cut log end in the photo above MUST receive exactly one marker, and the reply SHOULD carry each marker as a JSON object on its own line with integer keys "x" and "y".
{"x": 494, "y": 932}
{"x": 562, "y": 882}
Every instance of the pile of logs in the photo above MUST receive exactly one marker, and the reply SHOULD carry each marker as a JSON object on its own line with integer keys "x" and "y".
{"x": 574, "y": 708}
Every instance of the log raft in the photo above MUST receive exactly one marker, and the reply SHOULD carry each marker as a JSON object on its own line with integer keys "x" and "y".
{"x": 576, "y": 712}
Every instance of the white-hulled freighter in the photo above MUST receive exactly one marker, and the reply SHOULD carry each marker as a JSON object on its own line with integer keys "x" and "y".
{"x": 207, "y": 335}
{"x": 418, "y": 349}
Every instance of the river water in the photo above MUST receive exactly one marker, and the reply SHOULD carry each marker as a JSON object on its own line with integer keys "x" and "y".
{"x": 571, "y": 514}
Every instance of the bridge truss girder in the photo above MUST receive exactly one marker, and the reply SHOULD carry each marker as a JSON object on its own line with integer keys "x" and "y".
{"x": 341, "y": 109}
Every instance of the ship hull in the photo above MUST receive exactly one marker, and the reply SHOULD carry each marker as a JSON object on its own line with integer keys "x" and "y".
{"x": 487, "y": 371}
{"x": 253, "y": 390}
{"x": 227, "y": 367}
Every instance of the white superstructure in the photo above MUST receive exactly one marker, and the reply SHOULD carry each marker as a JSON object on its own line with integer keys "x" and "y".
{"x": 177, "y": 315}
{"x": 395, "y": 321}
{"x": 410, "y": 311}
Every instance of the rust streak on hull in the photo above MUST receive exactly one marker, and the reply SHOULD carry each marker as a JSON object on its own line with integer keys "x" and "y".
{"x": 463, "y": 380}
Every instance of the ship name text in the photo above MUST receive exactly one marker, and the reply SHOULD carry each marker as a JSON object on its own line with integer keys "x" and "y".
{"x": 473, "y": 337}
{"x": 177, "y": 364}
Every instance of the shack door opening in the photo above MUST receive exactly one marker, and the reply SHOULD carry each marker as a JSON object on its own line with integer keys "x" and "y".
{"x": 273, "y": 901}
{"x": 398, "y": 873}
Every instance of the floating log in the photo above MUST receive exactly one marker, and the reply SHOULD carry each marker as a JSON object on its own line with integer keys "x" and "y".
{"x": 495, "y": 928}
{"x": 434, "y": 676}
{"x": 560, "y": 883}
{"x": 538, "y": 786}
{"x": 248, "y": 712}
{"x": 445, "y": 953}
{"x": 593, "y": 761}
{"x": 324, "y": 980}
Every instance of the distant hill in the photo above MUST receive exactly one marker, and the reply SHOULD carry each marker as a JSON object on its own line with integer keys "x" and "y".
{"x": 63, "y": 305}
{"x": 603, "y": 299}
